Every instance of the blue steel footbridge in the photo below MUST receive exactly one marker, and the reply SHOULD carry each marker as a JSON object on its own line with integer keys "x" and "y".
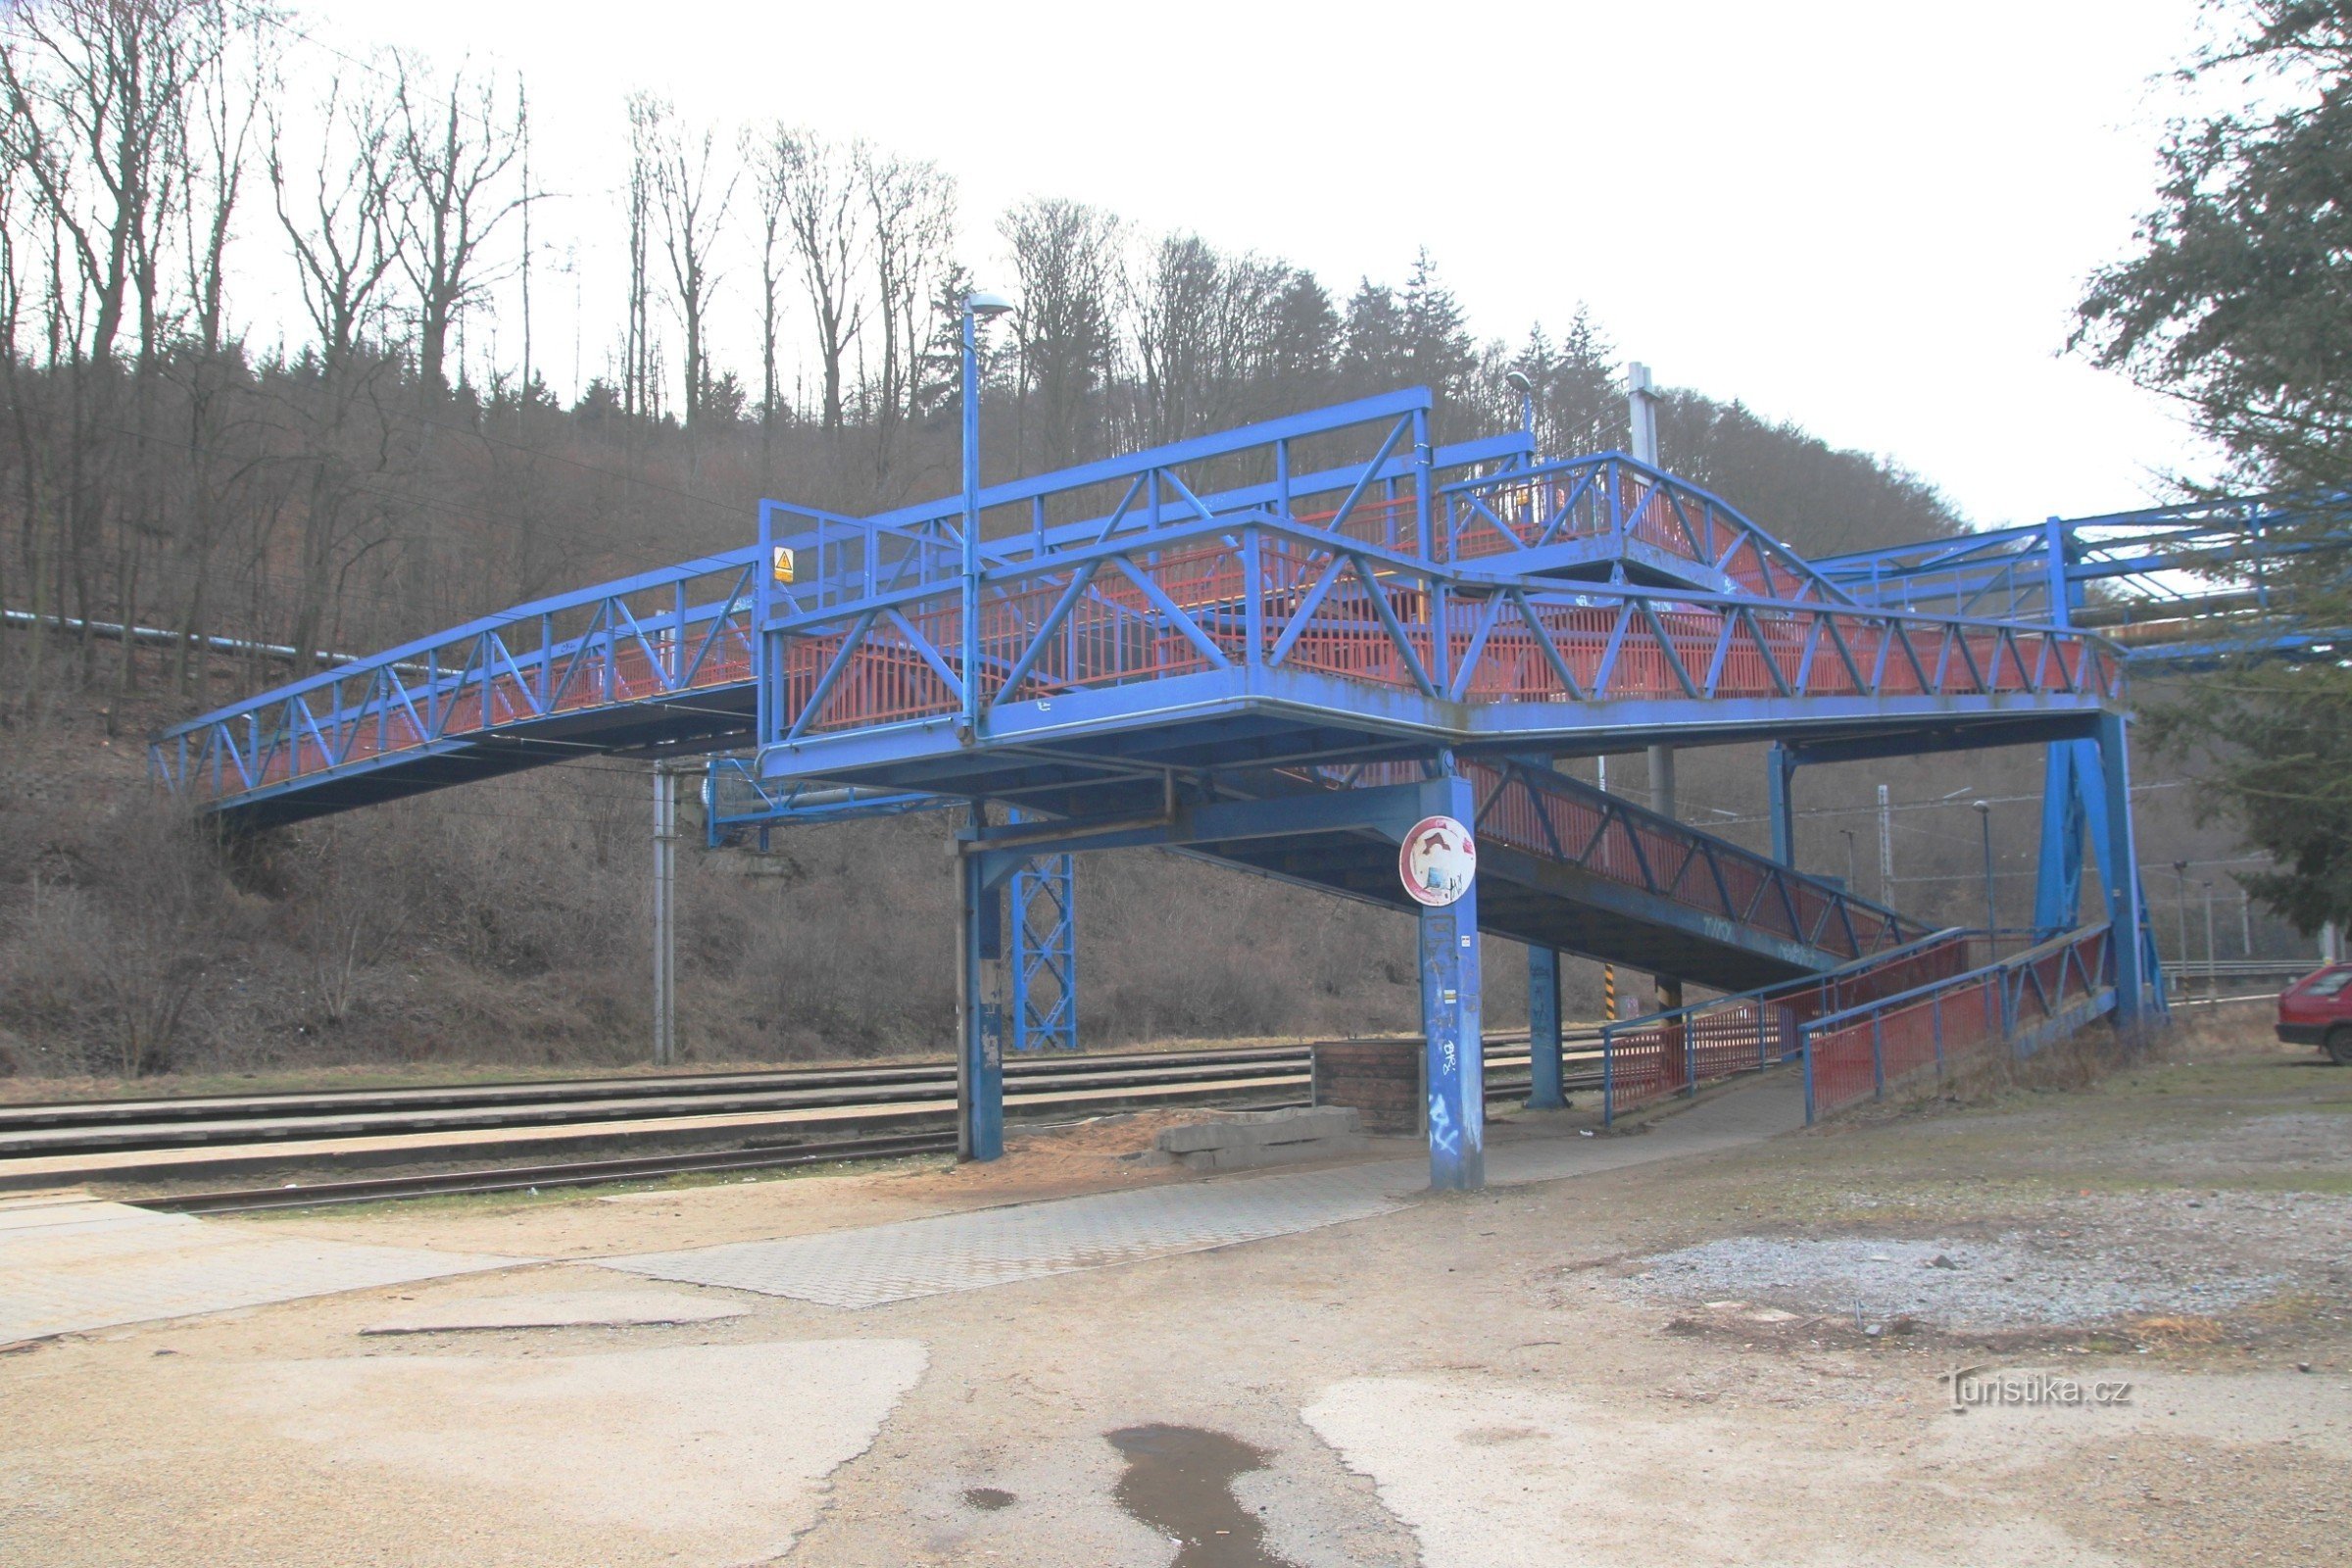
{"x": 1277, "y": 647}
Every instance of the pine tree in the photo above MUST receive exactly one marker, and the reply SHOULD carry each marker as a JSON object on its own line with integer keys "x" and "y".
{"x": 1438, "y": 349}
{"x": 1372, "y": 354}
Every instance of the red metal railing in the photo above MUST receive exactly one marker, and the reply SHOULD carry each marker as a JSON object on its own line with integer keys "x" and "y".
{"x": 1318, "y": 605}
{"x": 1862, "y": 1051}
{"x": 1680, "y": 1051}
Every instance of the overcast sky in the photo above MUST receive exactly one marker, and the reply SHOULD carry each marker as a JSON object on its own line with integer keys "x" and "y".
{"x": 1871, "y": 218}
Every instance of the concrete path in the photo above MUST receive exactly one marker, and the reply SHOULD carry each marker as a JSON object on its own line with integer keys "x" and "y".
{"x": 898, "y": 1262}
{"x": 71, "y": 1264}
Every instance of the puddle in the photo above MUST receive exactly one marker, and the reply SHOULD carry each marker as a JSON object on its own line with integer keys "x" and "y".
{"x": 990, "y": 1499}
{"x": 1179, "y": 1482}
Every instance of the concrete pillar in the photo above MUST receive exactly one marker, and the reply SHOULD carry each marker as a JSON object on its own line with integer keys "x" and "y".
{"x": 1780, "y": 789}
{"x": 1545, "y": 1090}
{"x": 1669, "y": 986}
{"x": 1455, "y": 1067}
{"x": 1641, "y": 410}
{"x": 980, "y": 1042}
{"x": 664, "y": 925}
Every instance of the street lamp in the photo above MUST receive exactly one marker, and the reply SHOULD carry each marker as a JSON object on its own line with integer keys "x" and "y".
{"x": 2209, "y": 952}
{"x": 1524, "y": 384}
{"x": 977, "y": 308}
{"x": 2181, "y": 906}
{"x": 1993, "y": 925}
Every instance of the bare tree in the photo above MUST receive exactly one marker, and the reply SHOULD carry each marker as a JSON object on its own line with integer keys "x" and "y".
{"x": 214, "y": 140}
{"x": 692, "y": 203}
{"x": 912, "y": 205}
{"x": 646, "y": 114}
{"x": 343, "y": 222}
{"x": 343, "y": 225}
{"x": 769, "y": 192}
{"x": 453, "y": 153}
{"x": 1066, "y": 254}
{"x": 814, "y": 183}
{"x": 93, "y": 91}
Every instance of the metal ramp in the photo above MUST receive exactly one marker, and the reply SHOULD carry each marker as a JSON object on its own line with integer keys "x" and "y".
{"x": 1567, "y": 867}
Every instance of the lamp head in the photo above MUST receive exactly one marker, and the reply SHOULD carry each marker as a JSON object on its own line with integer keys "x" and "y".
{"x": 1982, "y": 806}
{"x": 986, "y": 307}
{"x": 1519, "y": 381}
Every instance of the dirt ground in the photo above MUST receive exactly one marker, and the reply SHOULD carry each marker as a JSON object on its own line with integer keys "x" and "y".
{"x": 1730, "y": 1358}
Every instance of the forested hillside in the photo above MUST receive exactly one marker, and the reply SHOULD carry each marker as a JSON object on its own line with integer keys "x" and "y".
{"x": 398, "y": 462}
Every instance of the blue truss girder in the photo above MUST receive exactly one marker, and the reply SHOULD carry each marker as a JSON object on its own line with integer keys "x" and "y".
{"x": 1571, "y": 516}
{"x": 526, "y": 675}
{"x": 852, "y": 560}
{"x": 2185, "y": 585}
{"x": 1125, "y": 630}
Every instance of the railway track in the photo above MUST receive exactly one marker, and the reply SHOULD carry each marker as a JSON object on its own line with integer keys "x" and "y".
{"x": 771, "y": 1118}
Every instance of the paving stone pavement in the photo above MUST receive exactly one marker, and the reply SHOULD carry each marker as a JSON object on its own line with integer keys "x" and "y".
{"x": 910, "y": 1258}
{"x": 70, "y": 1263}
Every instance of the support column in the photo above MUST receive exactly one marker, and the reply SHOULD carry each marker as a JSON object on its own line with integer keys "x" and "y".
{"x": 1780, "y": 789}
{"x": 1545, "y": 1090}
{"x": 980, "y": 1042}
{"x": 2067, "y": 771}
{"x": 1454, "y": 1054}
{"x": 666, "y": 939}
{"x": 1043, "y": 963}
{"x": 1669, "y": 986}
{"x": 2124, "y": 904}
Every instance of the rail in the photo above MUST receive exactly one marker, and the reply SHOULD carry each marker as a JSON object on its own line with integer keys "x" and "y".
{"x": 1218, "y": 596}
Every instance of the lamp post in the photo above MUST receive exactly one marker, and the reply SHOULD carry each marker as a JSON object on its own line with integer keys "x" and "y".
{"x": 1849, "y": 858}
{"x": 1524, "y": 384}
{"x": 2209, "y": 952}
{"x": 977, "y": 308}
{"x": 1992, "y": 924}
{"x": 2181, "y": 907}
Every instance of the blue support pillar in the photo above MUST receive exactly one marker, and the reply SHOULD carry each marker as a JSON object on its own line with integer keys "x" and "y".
{"x": 2134, "y": 969}
{"x": 1780, "y": 789}
{"x": 2069, "y": 773}
{"x": 1455, "y": 1061}
{"x": 1545, "y": 1090}
{"x": 980, "y": 1051}
{"x": 1044, "y": 1009}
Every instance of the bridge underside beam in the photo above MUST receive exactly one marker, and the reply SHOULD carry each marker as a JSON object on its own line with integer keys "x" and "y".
{"x": 1220, "y": 720}
{"x": 693, "y": 726}
{"x": 1344, "y": 840}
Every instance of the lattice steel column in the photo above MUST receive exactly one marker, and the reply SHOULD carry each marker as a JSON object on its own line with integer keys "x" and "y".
{"x": 1045, "y": 954}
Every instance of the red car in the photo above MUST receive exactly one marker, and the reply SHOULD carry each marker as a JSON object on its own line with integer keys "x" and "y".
{"x": 2316, "y": 1010}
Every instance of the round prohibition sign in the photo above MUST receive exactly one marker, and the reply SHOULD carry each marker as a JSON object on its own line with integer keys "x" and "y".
{"x": 1437, "y": 861}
